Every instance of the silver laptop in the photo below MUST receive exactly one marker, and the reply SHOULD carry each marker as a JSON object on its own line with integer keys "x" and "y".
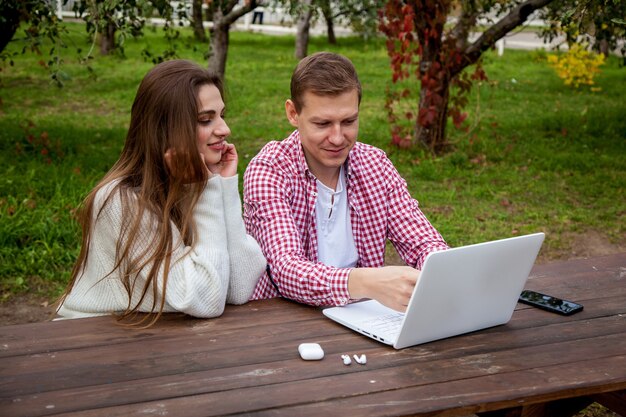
{"x": 459, "y": 290}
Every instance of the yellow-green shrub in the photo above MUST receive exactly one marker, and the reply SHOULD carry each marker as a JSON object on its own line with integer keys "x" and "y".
{"x": 578, "y": 66}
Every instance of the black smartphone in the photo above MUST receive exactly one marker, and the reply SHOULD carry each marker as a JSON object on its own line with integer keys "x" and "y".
{"x": 549, "y": 303}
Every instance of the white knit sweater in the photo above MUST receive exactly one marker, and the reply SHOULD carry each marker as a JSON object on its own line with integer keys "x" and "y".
{"x": 222, "y": 267}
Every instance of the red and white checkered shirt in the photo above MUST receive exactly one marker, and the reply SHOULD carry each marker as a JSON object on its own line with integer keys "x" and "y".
{"x": 279, "y": 212}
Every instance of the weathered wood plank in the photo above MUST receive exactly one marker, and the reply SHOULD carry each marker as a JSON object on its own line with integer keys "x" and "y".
{"x": 192, "y": 353}
{"x": 294, "y": 374}
{"x": 43, "y": 337}
{"x": 247, "y": 361}
{"x": 208, "y": 351}
{"x": 614, "y": 401}
{"x": 581, "y": 279}
{"x": 475, "y": 395}
{"x": 560, "y": 408}
{"x": 593, "y": 265}
{"x": 456, "y": 397}
{"x": 108, "y": 335}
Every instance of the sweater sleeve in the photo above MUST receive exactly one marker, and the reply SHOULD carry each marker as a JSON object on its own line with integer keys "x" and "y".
{"x": 198, "y": 278}
{"x": 197, "y": 282}
{"x": 246, "y": 260}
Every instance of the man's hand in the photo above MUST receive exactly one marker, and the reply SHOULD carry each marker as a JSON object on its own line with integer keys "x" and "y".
{"x": 389, "y": 285}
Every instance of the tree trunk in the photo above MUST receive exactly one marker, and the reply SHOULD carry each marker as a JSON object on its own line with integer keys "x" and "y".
{"x": 436, "y": 76}
{"x": 219, "y": 47}
{"x": 107, "y": 39}
{"x": 210, "y": 11}
{"x": 430, "y": 126}
{"x": 198, "y": 28}
{"x": 603, "y": 47}
{"x": 224, "y": 15}
{"x": 330, "y": 23}
{"x": 433, "y": 135}
{"x": 330, "y": 29}
{"x": 11, "y": 16}
{"x": 302, "y": 35}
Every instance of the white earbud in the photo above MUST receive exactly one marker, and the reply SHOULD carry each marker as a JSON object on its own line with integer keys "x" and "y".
{"x": 360, "y": 359}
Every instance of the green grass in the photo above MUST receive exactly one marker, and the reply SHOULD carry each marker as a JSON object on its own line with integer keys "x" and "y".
{"x": 539, "y": 157}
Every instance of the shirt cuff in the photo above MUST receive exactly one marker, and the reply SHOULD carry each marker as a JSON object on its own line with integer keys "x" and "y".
{"x": 339, "y": 286}
{"x": 431, "y": 249}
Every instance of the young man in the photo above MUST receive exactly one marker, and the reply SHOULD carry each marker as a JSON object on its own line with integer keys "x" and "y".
{"x": 322, "y": 205}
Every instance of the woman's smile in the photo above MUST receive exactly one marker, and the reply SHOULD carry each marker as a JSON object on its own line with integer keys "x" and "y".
{"x": 217, "y": 146}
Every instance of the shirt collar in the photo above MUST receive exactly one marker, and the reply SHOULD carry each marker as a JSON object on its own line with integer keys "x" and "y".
{"x": 300, "y": 160}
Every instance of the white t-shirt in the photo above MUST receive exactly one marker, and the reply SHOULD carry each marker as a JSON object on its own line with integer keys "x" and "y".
{"x": 335, "y": 242}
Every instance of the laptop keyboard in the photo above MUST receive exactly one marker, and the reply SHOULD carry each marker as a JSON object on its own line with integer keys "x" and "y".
{"x": 388, "y": 324}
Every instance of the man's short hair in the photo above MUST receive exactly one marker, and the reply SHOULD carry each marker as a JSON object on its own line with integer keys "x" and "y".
{"x": 323, "y": 74}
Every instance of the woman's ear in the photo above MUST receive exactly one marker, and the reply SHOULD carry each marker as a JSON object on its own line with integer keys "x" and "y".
{"x": 292, "y": 114}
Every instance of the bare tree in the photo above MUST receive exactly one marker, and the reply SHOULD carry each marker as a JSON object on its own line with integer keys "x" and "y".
{"x": 196, "y": 21}
{"x": 327, "y": 12}
{"x": 224, "y": 15}
{"x": 360, "y": 14}
{"x": 107, "y": 38}
{"x": 304, "y": 22}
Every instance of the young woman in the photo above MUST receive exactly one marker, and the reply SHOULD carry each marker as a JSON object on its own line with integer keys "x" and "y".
{"x": 163, "y": 231}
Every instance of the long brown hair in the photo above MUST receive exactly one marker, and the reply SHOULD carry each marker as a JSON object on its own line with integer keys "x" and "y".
{"x": 163, "y": 117}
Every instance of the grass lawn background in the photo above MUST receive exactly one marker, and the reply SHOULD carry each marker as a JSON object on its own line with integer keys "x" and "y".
{"x": 539, "y": 156}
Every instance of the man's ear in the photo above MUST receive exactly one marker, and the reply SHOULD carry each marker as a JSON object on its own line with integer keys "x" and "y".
{"x": 292, "y": 114}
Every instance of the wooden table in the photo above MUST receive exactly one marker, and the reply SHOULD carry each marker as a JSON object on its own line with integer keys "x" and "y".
{"x": 247, "y": 361}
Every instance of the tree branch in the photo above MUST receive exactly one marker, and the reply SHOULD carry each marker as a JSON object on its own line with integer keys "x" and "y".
{"x": 460, "y": 31}
{"x": 516, "y": 17}
{"x": 356, "y": 12}
{"x": 234, "y": 14}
